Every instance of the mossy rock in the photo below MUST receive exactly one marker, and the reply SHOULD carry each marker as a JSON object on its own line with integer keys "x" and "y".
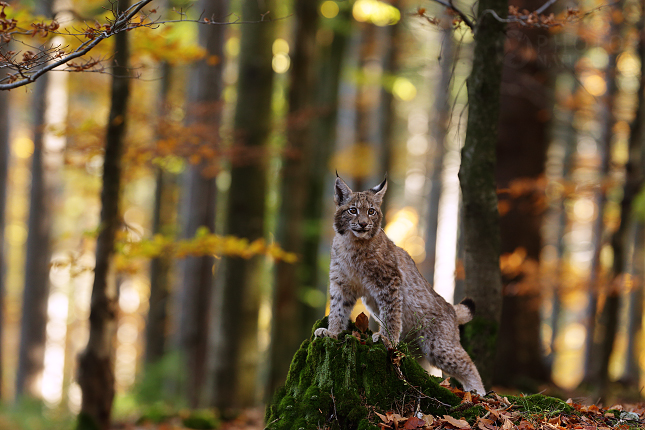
{"x": 339, "y": 383}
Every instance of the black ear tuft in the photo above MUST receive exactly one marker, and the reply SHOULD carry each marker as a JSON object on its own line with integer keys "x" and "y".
{"x": 380, "y": 186}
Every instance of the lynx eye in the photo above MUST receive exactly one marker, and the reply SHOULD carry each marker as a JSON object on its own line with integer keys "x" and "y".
{"x": 352, "y": 211}
{"x": 371, "y": 212}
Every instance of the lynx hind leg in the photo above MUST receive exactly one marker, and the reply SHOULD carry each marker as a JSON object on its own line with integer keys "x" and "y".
{"x": 340, "y": 307}
{"x": 454, "y": 361}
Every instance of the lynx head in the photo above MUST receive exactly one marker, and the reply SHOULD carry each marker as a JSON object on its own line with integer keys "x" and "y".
{"x": 358, "y": 213}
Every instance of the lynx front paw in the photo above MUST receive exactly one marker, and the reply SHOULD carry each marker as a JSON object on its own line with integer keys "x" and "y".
{"x": 323, "y": 332}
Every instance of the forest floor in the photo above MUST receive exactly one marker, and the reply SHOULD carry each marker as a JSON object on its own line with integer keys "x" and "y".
{"x": 498, "y": 413}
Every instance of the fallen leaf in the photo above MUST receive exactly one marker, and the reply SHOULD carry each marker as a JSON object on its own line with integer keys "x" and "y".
{"x": 460, "y": 424}
{"x": 382, "y": 417}
{"x": 468, "y": 398}
{"x": 362, "y": 322}
{"x": 445, "y": 383}
{"x": 429, "y": 420}
{"x": 414, "y": 423}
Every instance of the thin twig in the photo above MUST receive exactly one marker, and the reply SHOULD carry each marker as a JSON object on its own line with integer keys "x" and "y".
{"x": 48, "y": 59}
{"x": 450, "y": 5}
{"x": 545, "y": 6}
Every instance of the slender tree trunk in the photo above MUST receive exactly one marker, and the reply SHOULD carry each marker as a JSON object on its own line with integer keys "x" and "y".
{"x": 367, "y": 98}
{"x": 521, "y": 154}
{"x": 4, "y": 171}
{"x": 164, "y": 217}
{"x": 36, "y": 287}
{"x": 627, "y": 241}
{"x": 329, "y": 68}
{"x": 478, "y": 187}
{"x": 198, "y": 205}
{"x": 34, "y": 302}
{"x": 236, "y": 372}
{"x": 634, "y": 298}
{"x": 387, "y": 118}
{"x": 597, "y": 353}
{"x": 439, "y": 131}
{"x": 286, "y": 337}
{"x": 95, "y": 366}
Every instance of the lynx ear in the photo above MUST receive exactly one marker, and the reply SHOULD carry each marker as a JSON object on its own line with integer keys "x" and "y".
{"x": 341, "y": 191}
{"x": 379, "y": 191}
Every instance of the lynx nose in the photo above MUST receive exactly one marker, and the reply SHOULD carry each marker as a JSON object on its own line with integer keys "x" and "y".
{"x": 363, "y": 224}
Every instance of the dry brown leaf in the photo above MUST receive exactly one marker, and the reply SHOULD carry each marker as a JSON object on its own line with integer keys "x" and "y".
{"x": 414, "y": 423}
{"x": 525, "y": 425}
{"x": 362, "y": 322}
{"x": 445, "y": 383}
{"x": 382, "y": 417}
{"x": 468, "y": 398}
{"x": 508, "y": 425}
{"x": 460, "y": 424}
{"x": 429, "y": 419}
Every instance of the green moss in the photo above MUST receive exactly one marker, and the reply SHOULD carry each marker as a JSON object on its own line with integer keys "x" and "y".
{"x": 336, "y": 383}
{"x": 539, "y": 405}
{"x": 201, "y": 419}
{"x": 471, "y": 414}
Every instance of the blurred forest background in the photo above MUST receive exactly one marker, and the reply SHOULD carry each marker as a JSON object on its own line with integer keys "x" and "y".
{"x": 223, "y": 141}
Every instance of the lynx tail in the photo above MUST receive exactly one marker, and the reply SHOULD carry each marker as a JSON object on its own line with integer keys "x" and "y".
{"x": 465, "y": 311}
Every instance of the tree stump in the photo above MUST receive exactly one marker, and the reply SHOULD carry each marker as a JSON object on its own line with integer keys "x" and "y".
{"x": 342, "y": 383}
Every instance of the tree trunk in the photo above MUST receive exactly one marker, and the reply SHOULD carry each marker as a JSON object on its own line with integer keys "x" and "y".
{"x": 478, "y": 187}
{"x": 604, "y": 317}
{"x": 236, "y": 354}
{"x": 287, "y": 308}
{"x": 627, "y": 241}
{"x": 329, "y": 68}
{"x": 198, "y": 205}
{"x": 95, "y": 367}
{"x": 521, "y": 154}
{"x": 164, "y": 218}
{"x": 36, "y": 288}
{"x": 4, "y": 177}
{"x": 439, "y": 130}
{"x": 387, "y": 119}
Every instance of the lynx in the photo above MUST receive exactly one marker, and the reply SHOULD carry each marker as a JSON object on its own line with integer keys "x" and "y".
{"x": 366, "y": 263}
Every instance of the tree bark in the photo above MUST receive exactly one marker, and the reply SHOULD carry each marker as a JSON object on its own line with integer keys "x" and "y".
{"x": 4, "y": 177}
{"x": 198, "y": 205}
{"x": 627, "y": 241}
{"x": 478, "y": 187}
{"x": 439, "y": 130}
{"x": 287, "y": 309}
{"x": 521, "y": 154}
{"x": 95, "y": 366}
{"x": 164, "y": 218}
{"x": 36, "y": 288}
{"x": 329, "y": 68}
{"x": 236, "y": 354}
{"x": 605, "y": 317}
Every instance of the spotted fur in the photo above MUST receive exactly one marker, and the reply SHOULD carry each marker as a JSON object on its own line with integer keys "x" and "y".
{"x": 366, "y": 264}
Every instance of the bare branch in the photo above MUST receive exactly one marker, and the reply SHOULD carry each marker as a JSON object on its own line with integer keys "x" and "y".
{"x": 545, "y": 6}
{"x": 35, "y": 64}
{"x": 450, "y": 5}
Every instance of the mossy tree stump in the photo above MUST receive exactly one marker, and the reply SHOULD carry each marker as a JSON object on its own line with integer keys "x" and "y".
{"x": 340, "y": 383}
